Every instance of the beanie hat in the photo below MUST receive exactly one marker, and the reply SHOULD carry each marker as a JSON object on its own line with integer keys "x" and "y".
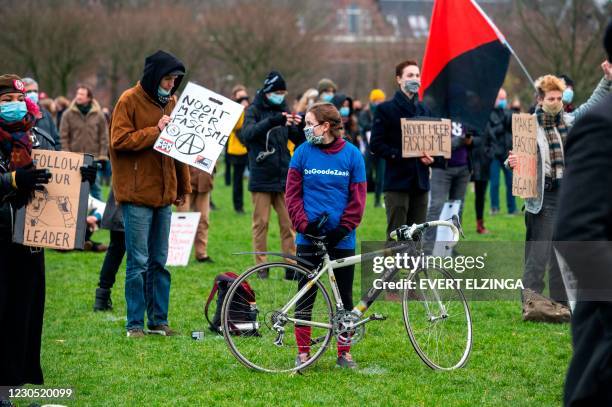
{"x": 274, "y": 81}
{"x": 11, "y": 83}
{"x": 377, "y": 95}
{"x": 608, "y": 41}
{"x": 326, "y": 83}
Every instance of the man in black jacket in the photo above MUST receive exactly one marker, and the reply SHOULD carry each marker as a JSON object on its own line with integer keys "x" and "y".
{"x": 267, "y": 128}
{"x": 406, "y": 179}
{"x": 585, "y": 215}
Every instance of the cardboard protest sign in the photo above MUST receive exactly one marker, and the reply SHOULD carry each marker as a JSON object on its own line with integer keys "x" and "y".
{"x": 200, "y": 127}
{"x": 525, "y": 147}
{"x": 429, "y": 136}
{"x": 183, "y": 229}
{"x": 56, "y": 216}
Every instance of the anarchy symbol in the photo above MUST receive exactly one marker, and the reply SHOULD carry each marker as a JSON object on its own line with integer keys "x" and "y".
{"x": 189, "y": 144}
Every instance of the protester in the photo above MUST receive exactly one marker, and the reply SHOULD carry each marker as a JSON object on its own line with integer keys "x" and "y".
{"x": 237, "y": 152}
{"x": 22, "y": 275}
{"x": 406, "y": 183}
{"x": 553, "y": 125}
{"x": 95, "y": 209}
{"x": 84, "y": 130}
{"x": 308, "y": 98}
{"x": 326, "y": 89}
{"x": 61, "y": 103}
{"x": 112, "y": 219}
{"x": 312, "y": 194}
{"x": 568, "y": 94}
{"x": 146, "y": 183}
{"x": 481, "y": 155}
{"x": 267, "y": 128}
{"x": 45, "y": 124}
{"x": 585, "y": 215}
{"x": 199, "y": 201}
{"x": 375, "y": 166}
{"x": 344, "y": 104}
{"x": 499, "y": 129}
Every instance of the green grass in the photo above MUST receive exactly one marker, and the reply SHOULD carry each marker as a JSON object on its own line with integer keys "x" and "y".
{"x": 512, "y": 363}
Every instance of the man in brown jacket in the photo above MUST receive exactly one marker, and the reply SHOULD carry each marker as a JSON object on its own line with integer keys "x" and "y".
{"x": 199, "y": 201}
{"x": 84, "y": 130}
{"x": 146, "y": 183}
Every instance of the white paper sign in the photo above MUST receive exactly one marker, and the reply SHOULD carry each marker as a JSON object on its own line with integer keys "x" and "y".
{"x": 183, "y": 229}
{"x": 201, "y": 123}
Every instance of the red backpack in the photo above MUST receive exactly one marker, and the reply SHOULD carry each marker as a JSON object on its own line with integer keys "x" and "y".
{"x": 243, "y": 309}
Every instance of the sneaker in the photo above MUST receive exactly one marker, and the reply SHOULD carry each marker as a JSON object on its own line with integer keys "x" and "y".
{"x": 135, "y": 333}
{"x": 163, "y": 330}
{"x": 494, "y": 211}
{"x": 345, "y": 360}
{"x": 206, "y": 259}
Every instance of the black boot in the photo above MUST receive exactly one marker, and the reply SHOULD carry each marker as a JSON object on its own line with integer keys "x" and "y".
{"x": 290, "y": 274}
{"x": 103, "y": 300}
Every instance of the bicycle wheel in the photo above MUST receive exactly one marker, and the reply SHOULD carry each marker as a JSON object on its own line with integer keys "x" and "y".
{"x": 438, "y": 322}
{"x": 273, "y": 346}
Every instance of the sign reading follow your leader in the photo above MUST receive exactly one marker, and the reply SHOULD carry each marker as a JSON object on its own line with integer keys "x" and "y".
{"x": 429, "y": 136}
{"x": 56, "y": 216}
{"x": 201, "y": 123}
{"x": 524, "y": 145}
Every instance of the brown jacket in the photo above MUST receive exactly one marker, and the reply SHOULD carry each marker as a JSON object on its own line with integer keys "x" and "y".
{"x": 201, "y": 181}
{"x": 85, "y": 133}
{"x": 142, "y": 175}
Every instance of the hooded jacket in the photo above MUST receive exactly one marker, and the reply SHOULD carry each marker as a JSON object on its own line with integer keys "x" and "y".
{"x": 265, "y": 122}
{"x": 141, "y": 175}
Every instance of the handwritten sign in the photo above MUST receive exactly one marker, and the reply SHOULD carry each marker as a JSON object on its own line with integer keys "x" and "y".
{"x": 56, "y": 216}
{"x": 426, "y": 136}
{"x": 201, "y": 124}
{"x": 524, "y": 146}
{"x": 183, "y": 229}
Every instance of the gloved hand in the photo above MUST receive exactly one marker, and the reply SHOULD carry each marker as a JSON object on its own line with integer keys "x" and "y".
{"x": 278, "y": 120}
{"x": 334, "y": 236}
{"x": 27, "y": 179}
{"x": 312, "y": 228}
{"x": 88, "y": 173}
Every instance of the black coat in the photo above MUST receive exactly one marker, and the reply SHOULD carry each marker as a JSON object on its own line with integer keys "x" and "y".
{"x": 481, "y": 155}
{"x": 401, "y": 174}
{"x": 499, "y": 128}
{"x": 265, "y": 122}
{"x": 46, "y": 125}
{"x": 585, "y": 215}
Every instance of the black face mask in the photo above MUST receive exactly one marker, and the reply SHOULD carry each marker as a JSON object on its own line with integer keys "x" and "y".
{"x": 242, "y": 99}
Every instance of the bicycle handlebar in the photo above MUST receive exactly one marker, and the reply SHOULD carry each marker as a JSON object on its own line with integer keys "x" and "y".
{"x": 408, "y": 232}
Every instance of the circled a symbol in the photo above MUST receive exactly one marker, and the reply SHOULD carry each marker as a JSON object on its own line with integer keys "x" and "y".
{"x": 189, "y": 144}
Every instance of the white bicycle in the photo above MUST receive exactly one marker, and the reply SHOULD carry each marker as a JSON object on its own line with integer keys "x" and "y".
{"x": 438, "y": 323}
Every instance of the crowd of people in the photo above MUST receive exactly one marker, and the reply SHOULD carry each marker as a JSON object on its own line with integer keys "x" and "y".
{"x": 313, "y": 159}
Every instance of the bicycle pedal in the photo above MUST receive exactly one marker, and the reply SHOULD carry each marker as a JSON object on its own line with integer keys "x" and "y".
{"x": 378, "y": 317}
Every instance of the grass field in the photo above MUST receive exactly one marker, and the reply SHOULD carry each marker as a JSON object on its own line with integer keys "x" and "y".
{"x": 512, "y": 363}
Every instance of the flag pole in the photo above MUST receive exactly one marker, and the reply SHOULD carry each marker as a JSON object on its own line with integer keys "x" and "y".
{"x": 519, "y": 62}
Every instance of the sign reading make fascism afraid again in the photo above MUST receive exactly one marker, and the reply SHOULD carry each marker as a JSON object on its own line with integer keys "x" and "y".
{"x": 200, "y": 125}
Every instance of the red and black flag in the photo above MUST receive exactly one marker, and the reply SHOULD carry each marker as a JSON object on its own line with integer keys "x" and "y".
{"x": 465, "y": 63}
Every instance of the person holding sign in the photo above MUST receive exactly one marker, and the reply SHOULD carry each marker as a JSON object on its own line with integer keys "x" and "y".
{"x": 326, "y": 178}
{"x": 146, "y": 183}
{"x": 406, "y": 183}
{"x": 552, "y": 128}
{"x": 22, "y": 269}
{"x": 267, "y": 128}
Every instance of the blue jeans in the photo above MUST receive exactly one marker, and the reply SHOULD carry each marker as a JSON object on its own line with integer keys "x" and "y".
{"x": 496, "y": 166}
{"x": 147, "y": 282}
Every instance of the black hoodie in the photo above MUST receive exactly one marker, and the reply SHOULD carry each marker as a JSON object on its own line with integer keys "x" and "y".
{"x": 156, "y": 67}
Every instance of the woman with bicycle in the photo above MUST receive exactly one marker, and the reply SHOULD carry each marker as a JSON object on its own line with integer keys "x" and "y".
{"x": 325, "y": 196}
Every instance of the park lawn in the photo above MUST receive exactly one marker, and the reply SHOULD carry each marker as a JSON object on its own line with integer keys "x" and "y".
{"x": 512, "y": 362}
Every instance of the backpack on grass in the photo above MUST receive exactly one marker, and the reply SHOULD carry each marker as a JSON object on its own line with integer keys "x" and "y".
{"x": 243, "y": 309}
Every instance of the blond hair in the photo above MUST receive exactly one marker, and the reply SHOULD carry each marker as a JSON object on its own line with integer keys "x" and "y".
{"x": 549, "y": 83}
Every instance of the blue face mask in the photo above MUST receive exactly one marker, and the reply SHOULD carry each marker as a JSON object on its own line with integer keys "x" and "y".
{"x": 502, "y": 103}
{"x": 275, "y": 98}
{"x": 327, "y": 97}
{"x": 33, "y": 96}
{"x": 344, "y": 111}
{"x": 568, "y": 96}
{"x": 163, "y": 92}
{"x": 12, "y": 112}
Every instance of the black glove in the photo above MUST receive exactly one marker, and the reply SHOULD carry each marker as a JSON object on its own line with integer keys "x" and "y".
{"x": 334, "y": 236}
{"x": 26, "y": 180}
{"x": 278, "y": 120}
{"x": 312, "y": 228}
{"x": 89, "y": 174}
{"x": 102, "y": 164}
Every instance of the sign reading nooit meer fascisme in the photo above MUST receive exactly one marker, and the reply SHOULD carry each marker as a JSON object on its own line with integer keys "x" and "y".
{"x": 429, "y": 136}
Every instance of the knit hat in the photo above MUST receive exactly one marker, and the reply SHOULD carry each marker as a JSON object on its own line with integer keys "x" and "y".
{"x": 377, "y": 95}
{"x": 274, "y": 81}
{"x": 608, "y": 41}
{"x": 325, "y": 84}
{"x": 11, "y": 83}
